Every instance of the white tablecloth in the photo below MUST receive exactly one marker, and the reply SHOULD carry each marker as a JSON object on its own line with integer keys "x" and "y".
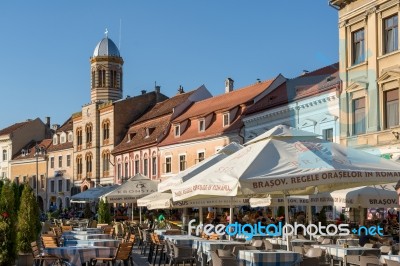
{"x": 78, "y": 255}
{"x": 261, "y": 258}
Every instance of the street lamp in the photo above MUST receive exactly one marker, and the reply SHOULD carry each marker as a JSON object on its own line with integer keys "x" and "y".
{"x": 39, "y": 151}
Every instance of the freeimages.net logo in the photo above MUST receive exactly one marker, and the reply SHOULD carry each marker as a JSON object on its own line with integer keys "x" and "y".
{"x": 280, "y": 230}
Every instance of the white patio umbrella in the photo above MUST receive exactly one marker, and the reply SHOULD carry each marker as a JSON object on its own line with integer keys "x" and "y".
{"x": 178, "y": 179}
{"x": 91, "y": 194}
{"x": 168, "y": 184}
{"x": 163, "y": 200}
{"x": 290, "y": 162}
{"x": 134, "y": 188}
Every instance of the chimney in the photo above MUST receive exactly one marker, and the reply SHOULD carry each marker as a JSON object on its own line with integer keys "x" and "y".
{"x": 228, "y": 85}
{"x": 47, "y": 118}
{"x": 157, "y": 89}
{"x": 180, "y": 90}
{"x": 304, "y": 72}
{"x": 55, "y": 127}
{"x": 143, "y": 92}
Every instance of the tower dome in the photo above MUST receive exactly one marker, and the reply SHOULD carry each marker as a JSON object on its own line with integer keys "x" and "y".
{"x": 106, "y": 47}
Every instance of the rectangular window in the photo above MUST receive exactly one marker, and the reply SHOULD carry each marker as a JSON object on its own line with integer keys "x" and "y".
{"x": 225, "y": 120}
{"x": 391, "y": 108}
{"x": 136, "y": 167}
{"x": 68, "y": 185}
{"x": 59, "y": 161}
{"x": 145, "y": 166}
{"x": 202, "y": 125}
{"x": 24, "y": 179}
{"x": 52, "y": 162}
{"x": 358, "y": 47}
{"x": 177, "y": 130}
{"x": 168, "y": 164}
{"x": 42, "y": 181}
{"x": 182, "y": 162}
{"x": 60, "y": 188}
{"x": 68, "y": 160}
{"x": 390, "y": 34}
{"x": 328, "y": 134}
{"x": 200, "y": 156}
{"x": 16, "y": 180}
{"x": 52, "y": 186}
{"x": 359, "y": 116}
{"x": 34, "y": 181}
{"x": 154, "y": 166}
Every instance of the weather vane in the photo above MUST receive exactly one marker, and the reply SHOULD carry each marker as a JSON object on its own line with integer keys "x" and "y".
{"x": 106, "y": 33}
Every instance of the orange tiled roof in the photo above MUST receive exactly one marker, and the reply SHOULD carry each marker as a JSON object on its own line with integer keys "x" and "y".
{"x": 224, "y": 101}
{"x": 30, "y": 149}
{"x": 298, "y": 88}
{"x": 67, "y": 126}
{"x": 12, "y": 128}
{"x": 165, "y": 107}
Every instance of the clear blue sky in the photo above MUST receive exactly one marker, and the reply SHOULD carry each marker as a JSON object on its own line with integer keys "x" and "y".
{"x": 46, "y": 46}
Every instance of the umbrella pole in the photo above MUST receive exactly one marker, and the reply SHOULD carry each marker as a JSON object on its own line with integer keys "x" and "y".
{"x": 230, "y": 215}
{"x": 140, "y": 215}
{"x": 200, "y": 215}
{"x": 309, "y": 215}
{"x": 287, "y": 220}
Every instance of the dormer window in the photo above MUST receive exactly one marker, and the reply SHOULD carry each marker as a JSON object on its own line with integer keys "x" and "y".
{"x": 23, "y": 152}
{"x": 177, "y": 130}
{"x": 55, "y": 140}
{"x": 225, "y": 120}
{"x": 131, "y": 136}
{"x": 202, "y": 125}
{"x": 62, "y": 138}
{"x": 149, "y": 131}
{"x": 70, "y": 137}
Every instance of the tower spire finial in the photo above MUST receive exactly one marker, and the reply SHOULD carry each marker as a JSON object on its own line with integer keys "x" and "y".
{"x": 106, "y": 33}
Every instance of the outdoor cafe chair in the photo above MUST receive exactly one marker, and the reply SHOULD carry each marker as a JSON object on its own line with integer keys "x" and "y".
{"x": 222, "y": 260}
{"x": 180, "y": 254}
{"x": 39, "y": 257}
{"x": 298, "y": 249}
{"x": 257, "y": 243}
{"x": 49, "y": 241}
{"x": 268, "y": 245}
{"x": 385, "y": 250}
{"x": 123, "y": 254}
{"x": 392, "y": 262}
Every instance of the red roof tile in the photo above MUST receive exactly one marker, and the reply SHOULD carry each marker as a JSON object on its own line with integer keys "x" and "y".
{"x": 30, "y": 149}
{"x": 300, "y": 87}
{"x": 67, "y": 126}
{"x": 12, "y": 128}
{"x": 224, "y": 101}
{"x": 165, "y": 107}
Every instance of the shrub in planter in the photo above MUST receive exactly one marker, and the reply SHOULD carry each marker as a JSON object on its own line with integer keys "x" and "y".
{"x": 7, "y": 225}
{"x": 28, "y": 221}
{"x": 104, "y": 212}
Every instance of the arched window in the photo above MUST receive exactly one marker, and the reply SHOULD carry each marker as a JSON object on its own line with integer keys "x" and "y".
{"x": 79, "y": 166}
{"x": 93, "y": 79}
{"x": 154, "y": 164}
{"x": 102, "y": 78}
{"x": 79, "y": 137}
{"x": 106, "y": 131}
{"x": 113, "y": 79}
{"x": 88, "y": 164}
{"x": 136, "y": 164}
{"x": 89, "y": 134}
{"x": 145, "y": 165}
{"x": 106, "y": 163}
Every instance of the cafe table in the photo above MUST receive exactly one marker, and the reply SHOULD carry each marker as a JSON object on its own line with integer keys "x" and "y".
{"x": 92, "y": 242}
{"x": 383, "y": 258}
{"x": 69, "y": 235}
{"x": 339, "y": 252}
{"x": 349, "y": 241}
{"x": 182, "y": 240}
{"x": 204, "y": 247}
{"x": 77, "y": 255}
{"x": 88, "y": 230}
{"x": 260, "y": 258}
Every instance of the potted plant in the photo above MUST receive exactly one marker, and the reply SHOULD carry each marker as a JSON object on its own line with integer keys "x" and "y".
{"x": 7, "y": 225}
{"x": 104, "y": 213}
{"x": 28, "y": 226}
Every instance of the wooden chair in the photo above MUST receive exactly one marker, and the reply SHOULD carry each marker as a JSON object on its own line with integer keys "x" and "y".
{"x": 392, "y": 262}
{"x": 49, "y": 241}
{"x": 123, "y": 254}
{"x": 39, "y": 258}
{"x": 66, "y": 228}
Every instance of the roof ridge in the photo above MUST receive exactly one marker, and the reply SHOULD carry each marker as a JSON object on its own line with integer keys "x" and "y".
{"x": 318, "y": 69}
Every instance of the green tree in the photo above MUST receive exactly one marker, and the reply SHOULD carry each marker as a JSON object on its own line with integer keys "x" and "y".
{"x": 104, "y": 212}
{"x": 28, "y": 220}
{"x": 8, "y": 217}
{"x": 87, "y": 213}
{"x": 17, "y": 195}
